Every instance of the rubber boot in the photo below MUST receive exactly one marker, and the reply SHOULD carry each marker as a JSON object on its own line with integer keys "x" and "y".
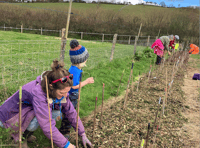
{"x": 65, "y": 128}
{"x": 29, "y": 136}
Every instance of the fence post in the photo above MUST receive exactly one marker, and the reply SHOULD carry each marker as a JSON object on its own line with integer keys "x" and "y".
{"x": 148, "y": 40}
{"x": 102, "y": 37}
{"x": 129, "y": 40}
{"x": 41, "y": 30}
{"x": 22, "y": 28}
{"x": 60, "y": 35}
{"x": 156, "y": 37}
{"x": 113, "y": 46}
{"x": 4, "y": 27}
{"x": 135, "y": 45}
{"x": 63, "y": 44}
{"x": 81, "y": 35}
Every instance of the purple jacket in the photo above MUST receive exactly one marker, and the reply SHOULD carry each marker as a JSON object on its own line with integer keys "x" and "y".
{"x": 32, "y": 93}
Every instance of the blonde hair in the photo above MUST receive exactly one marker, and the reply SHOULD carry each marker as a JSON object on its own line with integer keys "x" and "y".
{"x": 80, "y": 65}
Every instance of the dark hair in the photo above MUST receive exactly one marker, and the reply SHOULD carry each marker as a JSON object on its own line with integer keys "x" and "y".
{"x": 58, "y": 71}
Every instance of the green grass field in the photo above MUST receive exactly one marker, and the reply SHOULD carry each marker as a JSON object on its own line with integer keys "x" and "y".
{"x": 23, "y": 60}
{"x": 28, "y": 57}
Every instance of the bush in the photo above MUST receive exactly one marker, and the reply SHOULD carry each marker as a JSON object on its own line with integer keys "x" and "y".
{"x": 138, "y": 55}
{"x": 148, "y": 52}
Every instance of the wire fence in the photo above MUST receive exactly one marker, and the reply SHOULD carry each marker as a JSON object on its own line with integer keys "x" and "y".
{"x": 23, "y": 61}
{"x": 102, "y": 37}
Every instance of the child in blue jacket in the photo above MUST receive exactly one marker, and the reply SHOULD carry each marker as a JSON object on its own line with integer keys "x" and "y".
{"x": 78, "y": 56}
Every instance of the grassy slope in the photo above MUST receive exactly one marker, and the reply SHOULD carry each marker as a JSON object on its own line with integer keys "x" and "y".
{"x": 98, "y": 65}
{"x": 103, "y": 72}
{"x": 136, "y": 10}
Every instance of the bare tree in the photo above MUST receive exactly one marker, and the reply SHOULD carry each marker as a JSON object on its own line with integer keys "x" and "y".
{"x": 163, "y": 4}
{"x": 171, "y": 5}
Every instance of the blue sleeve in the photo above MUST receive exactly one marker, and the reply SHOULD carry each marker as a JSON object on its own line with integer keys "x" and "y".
{"x": 76, "y": 79}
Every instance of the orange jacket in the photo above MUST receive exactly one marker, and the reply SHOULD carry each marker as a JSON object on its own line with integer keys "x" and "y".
{"x": 194, "y": 49}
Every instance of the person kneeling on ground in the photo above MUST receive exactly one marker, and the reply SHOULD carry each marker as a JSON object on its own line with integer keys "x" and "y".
{"x": 194, "y": 49}
{"x": 35, "y": 107}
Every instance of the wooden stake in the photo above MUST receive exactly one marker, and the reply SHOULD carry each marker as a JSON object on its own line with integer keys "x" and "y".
{"x": 125, "y": 98}
{"x": 94, "y": 120}
{"x": 139, "y": 30}
{"x": 49, "y": 111}
{"x": 79, "y": 94}
{"x": 102, "y": 37}
{"x": 113, "y": 46}
{"x": 129, "y": 40}
{"x": 20, "y": 116}
{"x": 22, "y": 28}
{"x": 102, "y": 106}
{"x": 158, "y": 33}
{"x": 68, "y": 19}
{"x": 129, "y": 142}
{"x": 81, "y": 35}
{"x": 147, "y": 135}
{"x": 136, "y": 39}
{"x": 41, "y": 30}
{"x": 65, "y": 35}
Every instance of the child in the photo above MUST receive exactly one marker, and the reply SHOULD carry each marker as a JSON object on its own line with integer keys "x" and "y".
{"x": 35, "y": 108}
{"x": 78, "y": 56}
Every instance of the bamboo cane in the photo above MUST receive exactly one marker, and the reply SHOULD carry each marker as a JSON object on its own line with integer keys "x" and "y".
{"x": 94, "y": 120}
{"x": 102, "y": 106}
{"x": 138, "y": 81}
{"x": 20, "y": 116}
{"x": 49, "y": 111}
{"x": 125, "y": 98}
{"x": 156, "y": 114}
{"x": 129, "y": 142}
{"x": 149, "y": 72}
{"x": 79, "y": 94}
{"x": 164, "y": 102}
{"x": 5, "y": 90}
{"x": 154, "y": 139}
{"x": 166, "y": 87}
{"x": 147, "y": 135}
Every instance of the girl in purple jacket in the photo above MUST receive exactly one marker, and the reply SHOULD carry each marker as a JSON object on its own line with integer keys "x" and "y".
{"x": 35, "y": 108}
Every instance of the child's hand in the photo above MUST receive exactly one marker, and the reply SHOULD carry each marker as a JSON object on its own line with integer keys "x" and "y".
{"x": 90, "y": 80}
